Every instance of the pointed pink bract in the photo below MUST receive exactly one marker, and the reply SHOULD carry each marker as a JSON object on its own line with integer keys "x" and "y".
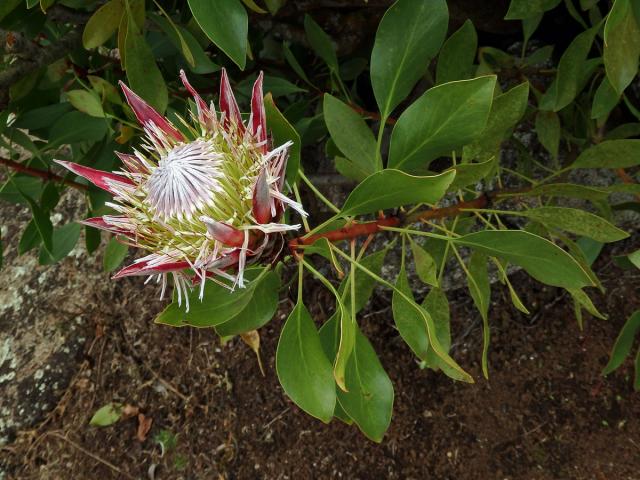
{"x": 99, "y": 178}
{"x": 261, "y": 199}
{"x": 258, "y": 115}
{"x": 133, "y": 163}
{"x": 225, "y": 234}
{"x": 145, "y": 113}
{"x": 228, "y": 105}
{"x": 143, "y": 268}
{"x": 204, "y": 113}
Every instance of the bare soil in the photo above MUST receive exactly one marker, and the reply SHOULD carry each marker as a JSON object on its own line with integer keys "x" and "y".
{"x": 545, "y": 412}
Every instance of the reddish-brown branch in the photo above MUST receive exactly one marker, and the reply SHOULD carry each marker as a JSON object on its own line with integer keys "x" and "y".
{"x": 370, "y": 228}
{"x": 374, "y": 115}
{"x": 626, "y": 178}
{"x": 46, "y": 175}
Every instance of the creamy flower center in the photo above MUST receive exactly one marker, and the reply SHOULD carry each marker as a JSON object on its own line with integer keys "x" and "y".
{"x": 185, "y": 180}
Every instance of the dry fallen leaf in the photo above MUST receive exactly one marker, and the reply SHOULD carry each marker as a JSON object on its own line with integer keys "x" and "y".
{"x": 252, "y": 339}
{"x": 144, "y": 425}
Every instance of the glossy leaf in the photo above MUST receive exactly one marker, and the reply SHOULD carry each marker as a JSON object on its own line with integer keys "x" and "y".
{"x": 455, "y": 60}
{"x": 437, "y": 305}
{"x": 521, "y": 9}
{"x": 258, "y": 312}
{"x": 577, "y": 221}
{"x": 364, "y": 283}
{"x": 506, "y": 111}
{"x": 76, "y": 127}
{"x": 102, "y": 24}
{"x": 621, "y": 45}
{"x": 471, "y": 173}
{"x": 63, "y": 240}
{"x": 86, "y": 102}
{"x": 321, "y": 42}
{"x": 408, "y": 37}
{"x": 418, "y": 330}
{"x": 604, "y": 100}
{"x": 226, "y": 24}
{"x": 143, "y": 74}
{"x": 351, "y": 134}
{"x": 282, "y": 131}
{"x": 568, "y": 190}
{"x": 369, "y": 396}
{"x": 30, "y": 238}
{"x": 114, "y": 255}
{"x": 218, "y": 306}
{"x": 549, "y": 131}
{"x": 624, "y": 342}
{"x": 610, "y": 154}
{"x": 393, "y": 188}
{"x": 444, "y": 118}
{"x": 480, "y": 290}
{"x": 543, "y": 260}
{"x": 426, "y": 267}
{"x": 304, "y": 371}
{"x": 565, "y": 87}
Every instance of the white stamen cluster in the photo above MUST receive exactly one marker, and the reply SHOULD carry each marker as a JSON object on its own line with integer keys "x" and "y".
{"x": 185, "y": 180}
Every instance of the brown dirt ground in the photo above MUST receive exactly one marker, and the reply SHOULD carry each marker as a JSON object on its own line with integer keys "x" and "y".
{"x": 545, "y": 412}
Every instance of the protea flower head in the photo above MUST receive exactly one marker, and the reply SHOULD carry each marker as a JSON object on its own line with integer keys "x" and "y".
{"x": 203, "y": 201}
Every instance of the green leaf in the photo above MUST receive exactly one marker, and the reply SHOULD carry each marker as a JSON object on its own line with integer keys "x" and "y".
{"x": 604, "y": 100}
{"x": 590, "y": 249}
{"x": 76, "y": 127}
{"x": 470, "y": 173}
{"x": 549, "y": 131}
{"x": 114, "y": 254}
{"x": 303, "y": 369}
{"x": 86, "y": 102}
{"x": 393, "y": 188}
{"x": 107, "y": 415}
{"x": 569, "y": 190}
{"x": 203, "y": 63}
{"x": 621, "y": 45}
{"x": 364, "y": 283}
{"x": 226, "y": 24}
{"x": 351, "y": 134}
{"x": 455, "y": 61}
{"x": 369, "y": 399}
{"x": 426, "y": 267}
{"x": 565, "y": 87}
{"x": 259, "y": 310}
{"x": 42, "y": 223}
{"x": 506, "y": 111}
{"x": 321, "y": 43}
{"x": 175, "y": 35}
{"x": 143, "y": 73}
{"x": 444, "y": 118}
{"x": 623, "y": 344}
{"x": 529, "y": 26}
{"x": 218, "y": 305}
{"x": 610, "y": 154}
{"x": 293, "y": 61}
{"x": 92, "y": 239}
{"x": 408, "y": 37}
{"x": 63, "y": 240}
{"x": 30, "y": 238}
{"x": 543, "y": 260}
{"x": 7, "y": 6}
{"x": 282, "y": 131}
{"x": 583, "y": 300}
{"x": 102, "y": 24}
{"x": 418, "y": 330}
{"x": 521, "y": 9}
{"x": 437, "y": 305}
{"x": 576, "y": 221}
{"x": 480, "y": 290}
{"x": 42, "y": 117}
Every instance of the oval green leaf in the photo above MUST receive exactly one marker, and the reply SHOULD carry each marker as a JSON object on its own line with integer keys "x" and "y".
{"x": 610, "y": 154}
{"x": 543, "y": 260}
{"x": 392, "y": 188}
{"x": 304, "y": 371}
{"x": 226, "y": 24}
{"x": 446, "y": 117}
{"x": 408, "y": 37}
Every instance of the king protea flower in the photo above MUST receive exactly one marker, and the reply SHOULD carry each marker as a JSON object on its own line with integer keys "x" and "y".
{"x": 204, "y": 201}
